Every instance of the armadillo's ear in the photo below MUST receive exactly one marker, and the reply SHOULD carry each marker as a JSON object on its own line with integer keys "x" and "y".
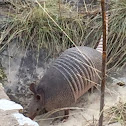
{"x": 32, "y": 88}
{"x": 38, "y": 97}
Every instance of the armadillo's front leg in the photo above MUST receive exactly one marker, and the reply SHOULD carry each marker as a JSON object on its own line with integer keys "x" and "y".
{"x": 66, "y": 115}
{"x": 64, "y": 119}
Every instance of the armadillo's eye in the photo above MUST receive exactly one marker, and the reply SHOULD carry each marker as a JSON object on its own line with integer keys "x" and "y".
{"x": 38, "y": 97}
{"x": 37, "y": 109}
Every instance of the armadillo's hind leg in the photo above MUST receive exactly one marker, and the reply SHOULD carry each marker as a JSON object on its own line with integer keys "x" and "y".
{"x": 91, "y": 90}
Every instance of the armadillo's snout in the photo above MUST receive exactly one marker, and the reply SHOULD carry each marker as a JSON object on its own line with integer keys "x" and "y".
{"x": 32, "y": 116}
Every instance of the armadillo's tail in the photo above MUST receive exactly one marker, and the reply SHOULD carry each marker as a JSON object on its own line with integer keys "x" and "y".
{"x": 99, "y": 46}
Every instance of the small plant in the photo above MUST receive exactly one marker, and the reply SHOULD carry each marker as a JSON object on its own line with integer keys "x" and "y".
{"x": 117, "y": 113}
{"x": 2, "y": 75}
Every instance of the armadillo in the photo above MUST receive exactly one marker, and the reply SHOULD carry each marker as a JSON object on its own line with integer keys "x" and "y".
{"x": 72, "y": 74}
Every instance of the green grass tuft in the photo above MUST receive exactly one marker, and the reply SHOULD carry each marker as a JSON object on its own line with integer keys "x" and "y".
{"x": 35, "y": 29}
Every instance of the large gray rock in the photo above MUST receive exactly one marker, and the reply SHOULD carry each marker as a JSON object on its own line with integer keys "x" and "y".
{"x": 22, "y": 67}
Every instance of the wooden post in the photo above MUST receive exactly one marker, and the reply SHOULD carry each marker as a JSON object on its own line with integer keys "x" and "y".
{"x": 103, "y": 6}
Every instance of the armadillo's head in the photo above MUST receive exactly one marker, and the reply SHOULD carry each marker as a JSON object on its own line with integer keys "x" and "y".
{"x": 36, "y": 104}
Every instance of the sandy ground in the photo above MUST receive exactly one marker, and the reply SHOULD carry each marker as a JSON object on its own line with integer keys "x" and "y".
{"x": 90, "y": 107}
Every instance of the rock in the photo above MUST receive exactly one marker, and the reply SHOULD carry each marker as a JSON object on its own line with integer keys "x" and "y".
{"x": 22, "y": 67}
{"x": 2, "y": 93}
{"x": 9, "y": 112}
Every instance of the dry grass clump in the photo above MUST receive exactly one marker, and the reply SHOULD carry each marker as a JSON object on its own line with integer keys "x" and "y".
{"x": 35, "y": 29}
{"x": 117, "y": 35}
{"x": 116, "y": 114}
{"x": 116, "y": 44}
{"x": 2, "y": 75}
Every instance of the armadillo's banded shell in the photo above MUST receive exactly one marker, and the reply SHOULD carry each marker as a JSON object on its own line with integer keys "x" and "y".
{"x": 81, "y": 67}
